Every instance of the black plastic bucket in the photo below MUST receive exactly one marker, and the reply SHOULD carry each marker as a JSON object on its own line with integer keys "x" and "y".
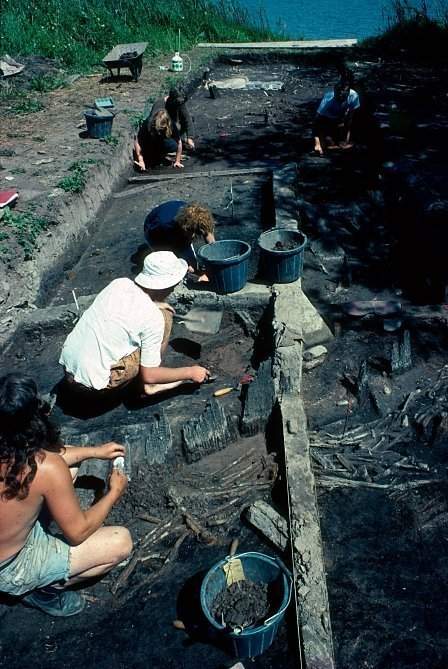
{"x": 226, "y": 262}
{"x": 281, "y": 257}
{"x": 259, "y": 568}
{"x": 99, "y": 125}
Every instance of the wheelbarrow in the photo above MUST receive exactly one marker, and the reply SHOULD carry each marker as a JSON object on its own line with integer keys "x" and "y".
{"x": 126, "y": 55}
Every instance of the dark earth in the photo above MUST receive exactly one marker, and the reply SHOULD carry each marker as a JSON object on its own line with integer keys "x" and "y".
{"x": 385, "y": 549}
{"x": 242, "y": 604}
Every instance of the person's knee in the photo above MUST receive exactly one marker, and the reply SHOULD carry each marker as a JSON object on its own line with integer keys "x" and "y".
{"x": 121, "y": 544}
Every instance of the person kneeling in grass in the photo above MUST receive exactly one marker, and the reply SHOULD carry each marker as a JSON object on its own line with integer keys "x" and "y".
{"x": 174, "y": 225}
{"x": 125, "y": 333}
{"x": 35, "y": 470}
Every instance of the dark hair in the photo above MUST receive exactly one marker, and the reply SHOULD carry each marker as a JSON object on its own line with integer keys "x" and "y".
{"x": 341, "y": 87}
{"x": 176, "y": 98}
{"x": 25, "y": 431}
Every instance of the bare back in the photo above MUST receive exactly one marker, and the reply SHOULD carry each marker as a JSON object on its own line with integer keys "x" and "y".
{"x": 17, "y": 517}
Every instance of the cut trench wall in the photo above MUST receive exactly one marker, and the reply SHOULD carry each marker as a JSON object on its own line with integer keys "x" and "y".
{"x": 72, "y": 216}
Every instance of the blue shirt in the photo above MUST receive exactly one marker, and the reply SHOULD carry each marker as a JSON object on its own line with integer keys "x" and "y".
{"x": 160, "y": 220}
{"x": 335, "y": 110}
{"x": 161, "y": 231}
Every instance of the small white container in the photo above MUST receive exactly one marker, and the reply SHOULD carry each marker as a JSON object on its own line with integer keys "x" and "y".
{"x": 177, "y": 63}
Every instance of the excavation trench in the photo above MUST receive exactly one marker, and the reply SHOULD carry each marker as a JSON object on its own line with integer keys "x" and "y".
{"x": 354, "y": 447}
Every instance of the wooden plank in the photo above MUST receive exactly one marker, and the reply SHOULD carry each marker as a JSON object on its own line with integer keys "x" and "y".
{"x": 149, "y": 178}
{"x": 296, "y": 44}
{"x": 311, "y": 596}
{"x": 269, "y": 522}
{"x": 133, "y": 191}
{"x": 208, "y": 433}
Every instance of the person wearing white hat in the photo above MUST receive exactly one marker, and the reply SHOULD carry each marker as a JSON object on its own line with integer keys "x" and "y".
{"x": 125, "y": 332}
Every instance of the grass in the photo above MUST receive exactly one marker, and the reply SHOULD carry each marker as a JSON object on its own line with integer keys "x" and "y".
{"x": 112, "y": 140}
{"x": 14, "y": 101}
{"x": 412, "y": 29}
{"x": 136, "y": 118}
{"x": 25, "y": 227}
{"x": 77, "y": 180}
{"x": 47, "y": 82}
{"x": 80, "y": 33}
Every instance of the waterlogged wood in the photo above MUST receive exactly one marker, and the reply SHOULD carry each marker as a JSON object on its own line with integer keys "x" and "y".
{"x": 269, "y": 522}
{"x": 208, "y": 433}
{"x": 149, "y": 178}
{"x": 258, "y": 400}
{"x": 311, "y": 597}
{"x": 306, "y": 544}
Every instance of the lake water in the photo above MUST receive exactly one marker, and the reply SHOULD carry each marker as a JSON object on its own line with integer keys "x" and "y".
{"x": 325, "y": 19}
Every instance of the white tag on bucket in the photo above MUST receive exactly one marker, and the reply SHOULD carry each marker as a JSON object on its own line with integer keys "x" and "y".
{"x": 234, "y": 571}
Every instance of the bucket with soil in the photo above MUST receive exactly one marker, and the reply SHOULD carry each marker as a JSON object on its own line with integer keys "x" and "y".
{"x": 244, "y": 598}
{"x": 281, "y": 257}
{"x": 226, "y": 262}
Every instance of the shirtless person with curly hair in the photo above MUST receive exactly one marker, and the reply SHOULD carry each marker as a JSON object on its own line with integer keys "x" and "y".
{"x": 35, "y": 469}
{"x": 173, "y": 225}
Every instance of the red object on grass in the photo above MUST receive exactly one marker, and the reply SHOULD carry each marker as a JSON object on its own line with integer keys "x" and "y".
{"x": 7, "y": 197}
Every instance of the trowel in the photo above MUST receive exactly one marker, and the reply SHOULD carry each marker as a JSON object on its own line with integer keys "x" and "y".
{"x": 207, "y": 321}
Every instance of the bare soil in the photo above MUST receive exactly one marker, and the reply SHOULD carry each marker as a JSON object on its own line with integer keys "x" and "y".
{"x": 242, "y": 604}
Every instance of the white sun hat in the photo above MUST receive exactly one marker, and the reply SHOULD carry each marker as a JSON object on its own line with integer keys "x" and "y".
{"x": 161, "y": 269}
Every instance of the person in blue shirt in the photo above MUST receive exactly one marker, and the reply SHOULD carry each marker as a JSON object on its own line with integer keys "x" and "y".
{"x": 333, "y": 122}
{"x": 173, "y": 225}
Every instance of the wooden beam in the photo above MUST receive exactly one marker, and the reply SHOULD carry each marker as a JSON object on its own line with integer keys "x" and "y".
{"x": 133, "y": 191}
{"x": 149, "y": 178}
{"x": 311, "y": 596}
{"x": 297, "y": 44}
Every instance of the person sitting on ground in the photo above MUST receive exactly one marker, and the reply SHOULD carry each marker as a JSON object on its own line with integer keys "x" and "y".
{"x": 173, "y": 225}
{"x": 156, "y": 141}
{"x": 34, "y": 470}
{"x": 333, "y": 122}
{"x": 124, "y": 333}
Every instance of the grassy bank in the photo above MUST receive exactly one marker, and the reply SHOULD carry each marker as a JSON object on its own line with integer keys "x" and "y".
{"x": 414, "y": 31}
{"x": 80, "y": 32}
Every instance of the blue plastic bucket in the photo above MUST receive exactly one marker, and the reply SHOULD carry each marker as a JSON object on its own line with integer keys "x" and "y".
{"x": 99, "y": 125}
{"x": 278, "y": 262}
{"x": 258, "y": 568}
{"x": 226, "y": 262}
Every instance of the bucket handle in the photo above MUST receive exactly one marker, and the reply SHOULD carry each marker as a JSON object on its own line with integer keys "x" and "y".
{"x": 288, "y": 574}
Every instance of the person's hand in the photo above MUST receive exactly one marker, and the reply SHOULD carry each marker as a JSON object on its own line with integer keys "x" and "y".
{"x": 203, "y": 278}
{"x": 177, "y": 163}
{"x": 118, "y": 482}
{"x": 190, "y": 143}
{"x": 141, "y": 164}
{"x": 199, "y": 374}
{"x": 346, "y": 145}
{"x": 110, "y": 451}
